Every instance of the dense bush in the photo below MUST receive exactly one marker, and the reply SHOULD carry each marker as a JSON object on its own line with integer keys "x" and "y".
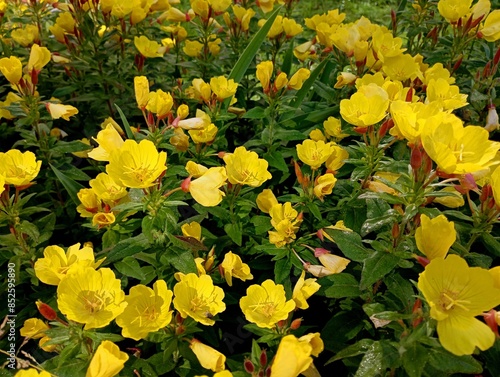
{"x": 249, "y": 188}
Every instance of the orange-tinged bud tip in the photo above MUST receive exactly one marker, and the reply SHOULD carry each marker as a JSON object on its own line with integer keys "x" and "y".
{"x": 361, "y": 130}
{"x": 221, "y": 154}
{"x": 185, "y": 184}
{"x": 423, "y": 261}
{"x": 46, "y": 311}
{"x": 319, "y": 233}
{"x": 320, "y": 251}
{"x": 296, "y": 324}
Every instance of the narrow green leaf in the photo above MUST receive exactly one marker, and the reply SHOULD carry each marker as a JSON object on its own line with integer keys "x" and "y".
{"x": 287, "y": 59}
{"x": 356, "y": 349}
{"x": 126, "y": 248}
{"x": 71, "y": 186}
{"x": 302, "y": 93}
{"x": 126, "y": 125}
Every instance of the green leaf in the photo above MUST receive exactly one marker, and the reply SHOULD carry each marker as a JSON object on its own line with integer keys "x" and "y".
{"x": 255, "y": 113}
{"x": 287, "y": 59}
{"x": 282, "y": 270}
{"x": 235, "y": 232}
{"x": 349, "y": 243}
{"x": 302, "y": 93}
{"x": 182, "y": 260}
{"x": 288, "y": 135}
{"x": 376, "y": 267}
{"x": 71, "y": 186}
{"x": 414, "y": 359}
{"x": 251, "y": 50}
{"x": 70, "y": 146}
{"x": 126, "y": 125}
{"x": 276, "y": 160}
{"x": 491, "y": 243}
{"x": 449, "y": 363}
{"x": 344, "y": 285}
{"x": 126, "y": 248}
{"x": 130, "y": 267}
{"x": 356, "y": 349}
{"x": 372, "y": 362}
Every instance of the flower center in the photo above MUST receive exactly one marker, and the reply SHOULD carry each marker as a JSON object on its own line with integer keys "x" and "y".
{"x": 448, "y": 300}
{"x": 92, "y": 301}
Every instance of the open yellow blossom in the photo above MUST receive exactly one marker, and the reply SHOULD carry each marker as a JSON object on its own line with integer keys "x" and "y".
{"x": 315, "y": 341}
{"x": 136, "y": 165}
{"x": 246, "y": 168}
{"x": 107, "y": 361}
{"x": 428, "y": 243}
{"x": 192, "y": 48}
{"x": 233, "y": 266}
{"x": 292, "y": 358}
{"x": 291, "y": 28}
{"x": 410, "y": 118}
{"x": 222, "y": 87}
{"x": 148, "y": 48}
{"x": 453, "y": 10}
{"x": 304, "y": 288}
{"x": 198, "y": 298}
{"x": 91, "y": 297}
{"x": 147, "y": 310}
{"x": 9, "y": 100}
{"x": 446, "y": 95}
{"x": 58, "y": 110}
{"x": 26, "y": 35}
{"x": 265, "y": 304}
{"x": 90, "y": 203}
{"x": 205, "y": 135}
{"x": 314, "y": 153}
{"x": 456, "y": 294}
{"x": 333, "y": 128}
{"x": 107, "y": 189}
{"x": 193, "y": 229}
{"x": 195, "y": 170}
{"x": 490, "y": 30}
{"x": 365, "y": 107}
{"x": 266, "y": 200}
{"x": 19, "y": 168}
{"x": 199, "y": 90}
{"x": 39, "y": 57}
{"x": 160, "y": 103}
{"x": 208, "y": 357}
{"x": 141, "y": 89}
{"x": 33, "y": 328}
{"x": 55, "y": 264}
{"x": 109, "y": 140}
{"x": 401, "y": 67}
{"x": 206, "y": 189}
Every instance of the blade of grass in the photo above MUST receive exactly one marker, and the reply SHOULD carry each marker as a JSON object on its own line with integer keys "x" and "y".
{"x": 126, "y": 125}
{"x": 302, "y": 93}
{"x": 71, "y": 186}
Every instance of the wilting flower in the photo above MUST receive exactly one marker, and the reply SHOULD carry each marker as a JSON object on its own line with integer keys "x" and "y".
{"x": 233, "y": 266}
{"x": 304, "y": 288}
{"x": 136, "y": 165}
{"x": 147, "y": 310}
{"x": 19, "y": 168}
{"x": 39, "y": 57}
{"x": 141, "y": 89}
{"x": 246, "y": 168}
{"x": 109, "y": 140}
{"x": 55, "y": 263}
{"x": 265, "y": 304}
{"x": 324, "y": 185}
{"x": 431, "y": 245}
{"x": 107, "y": 361}
{"x": 208, "y": 357}
{"x": 198, "y": 298}
{"x": 456, "y": 294}
{"x": 58, "y": 110}
{"x": 91, "y": 297}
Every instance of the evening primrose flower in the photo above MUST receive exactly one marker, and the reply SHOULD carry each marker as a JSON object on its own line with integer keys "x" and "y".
{"x": 33, "y": 328}
{"x": 204, "y": 135}
{"x": 265, "y": 304}
{"x": 39, "y": 57}
{"x": 333, "y": 128}
{"x": 206, "y": 189}
{"x": 246, "y": 168}
{"x": 56, "y": 263}
{"x": 192, "y": 229}
{"x": 141, "y": 90}
{"x": 32, "y": 372}
{"x": 198, "y": 298}
{"x": 365, "y": 107}
{"x": 222, "y": 87}
{"x": 233, "y": 266}
{"x": 490, "y": 31}
{"x": 12, "y": 69}
{"x": 19, "y": 168}
{"x": 109, "y": 140}
{"x": 266, "y": 200}
{"x": 453, "y": 10}
{"x": 91, "y": 297}
{"x": 304, "y": 288}
{"x": 25, "y": 35}
{"x": 333, "y": 264}
{"x": 107, "y": 361}
{"x": 292, "y": 358}
{"x": 336, "y": 159}
{"x": 298, "y": 78}
{"x": 314, "y": 153}
{"x": 192, "y": 48}
{"x": 136, "y": 165}
{"x": 147, "y": 310}
{"x": 324, "y": 185}
{"x": 456, "y": 294}
{"x": 58, "y": 110}
{"x": 425, "y": 236}
{"x": 208, "y": 357}
{"x": 160, "y": 103}
{"x": 264, "y": 73}
{"x": 107, "y": 189}
{"x": 148, "y": 48}
{"x": 446, "y": 95}
{"x": 90, "y": 203}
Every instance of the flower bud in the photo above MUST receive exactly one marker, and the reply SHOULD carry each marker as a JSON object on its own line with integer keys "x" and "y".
{"x": 295, "y": 324}
{"x": 263, "y": 357}
{"x": 248, "y": 365}
{"x": 46, "y": 311}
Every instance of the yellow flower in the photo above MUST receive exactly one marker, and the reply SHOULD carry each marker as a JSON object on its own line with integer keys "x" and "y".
{"x": 219, "y": 6}
{"x": 303, "y": 290}
{"x": 265, "y": 304}
{"x": 222, "y": 87}
{"x": 122, "y": 8}
{"x": 457, "y": 149}
{"x": 136, "y": 165}
{"x": 435, "y": 236}
{"x": 55, "y": 264}
{"x": 314, "y": 153}
{"x": 198, "y": 298}
{"x": 336, "y": 159}
{"x": 264, "y": 73}
{"x": 193, "y": 48}
{"x": 246, "y": 168}
{"x": 453, "y": 10}
{"x": 456, "y": 293}
{"x": 179, "y": 140}
{"x": 266, "y": 5}
{"x": 266, "y": 200}
{"x": 25, "y": 36}
{"x": 147, "y": 310}
{"x": 317, "y": 135}
{"x": 12, "y": 69}
{"x": 58, "y": 110}
{"x": 66, "y": 21}
{"x": 292, "y": 358}
{"x": 107, "y": 361}
{"x": 32, "y": 372}
{"x": 205, "y": 135}
{"x": 90, "y": 203}
{"x": 454, "y": 200}
{"x": 46, "y": 348}
{"x": 315, "y": 341}
{"x": 365, "y": 107}
{"x": 243, "y": 16}
{"x": 109, "y": 140}
{"x": 324, "y": 185}
{"x": 34, "y": 328}
{"x": 333, "y": 128}
{"x": 160, "y": 103}
{"x": 281, "y": 81}
{"x": 332, "y": 263}
{"x": 291, "y": 29}
{"x": 446, "y": 95}
{"x": 147, "y": 48}
{"x": 9, "y": 100}
{"x": 410, "y": 118}
{"x": 107, "y": 189}
{"x": 490, "y": 29}
{"x": 91, "y": 297}
{"x": 208, "y": 357}
{"x": 102, "y": 219}
{"x": 345, "y": 78}
{"x": 298, "y": 78}
{"x": 495, "y": 184}
{"x": 195, "y": 170}
{"x": 232, "y": 265}
{"x": 401, "y": 67}
{"x": 205, "y": 190}
{"x": 193, "y": 229}
{"x": 141, "y": 89}
{"x": 18, "y": 168}
{"x": 39, "y": 57}
{"x": 200, "y": 90}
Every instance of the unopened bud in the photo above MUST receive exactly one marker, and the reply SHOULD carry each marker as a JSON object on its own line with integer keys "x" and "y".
{"x": 487, "y": 70}
{"x": 423, "y": 261}
{"x": 457, "y": 64}
{"x": 490, "y": 319}
{"x": 395, "y": 231}
{"x": 319, "y": 233}
{"x": 416, "y": 158}
{"x": 263, "y": 357}
{"x": 185, "y": 184}
{"x": 361, "y": 130}
{"x": 248, "y": 365}
{"x": 46, "y": 311}
{"x": 298, "y": 172}
{"x": 496, "y": 58}
{"x": 295, "y": 324}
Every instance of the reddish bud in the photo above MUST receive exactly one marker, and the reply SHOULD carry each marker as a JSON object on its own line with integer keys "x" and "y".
{"x": 221, "y": 154}
{"x": 386, "y": 126}
{"x": 457, "y": 64}
{"x": 296, "y": 324}
{"x": 263, "y": 358}
{"x": 417, "y": 305}
{"x": 490, "y": 319}
{"x": 416, "y": 158}
{"x": 248, "y": 365}
{"x": 496, "y": 58}
{"x": 476, "y": 21}
{"x": 300, "y": 216}
{"x": 487, "y": 70}
{"x": 394, "y": 21}
{"x": 409, "y": 95}
{"x": 268, "y": 372}
{"x": 319, "y": 233}
{"x": 485, "y": 193}
{"x": 46, "y": 311}
{"x": 320, "y": 251}
{"x": 298, "y": 172}
{"x": 185, "y": 184}
{"x": 361, "y": 130}
{"x": 395, "y": 231}
{"x": 281, "y": 324}
{"x": 459, "y": 23}
{"x": 423, "y": 261}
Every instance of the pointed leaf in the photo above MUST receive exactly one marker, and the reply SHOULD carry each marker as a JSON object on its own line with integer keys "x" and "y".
{"x": 126, "y": 125}
{"x": 71, "y": 186}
